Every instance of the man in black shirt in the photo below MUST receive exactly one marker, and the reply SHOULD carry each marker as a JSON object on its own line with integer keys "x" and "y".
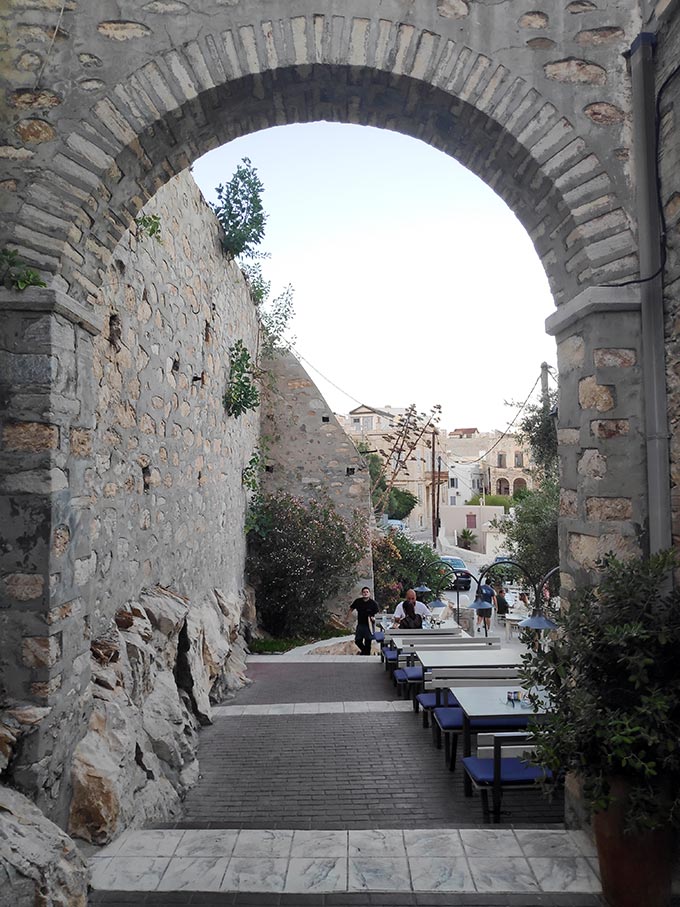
{"x": 366, "y": 609}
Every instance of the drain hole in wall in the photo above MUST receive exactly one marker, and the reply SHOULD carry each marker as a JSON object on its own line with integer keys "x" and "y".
{"x": 350, "y": 470}
{"x": 115, "y": 331}
{"x": 175, "y": 363}
{"x": 146, "y": 478}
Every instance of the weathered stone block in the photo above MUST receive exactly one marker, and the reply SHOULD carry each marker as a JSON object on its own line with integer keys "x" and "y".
{"x": 592, "y": 395}
{"x": 81, "y": 442}
{"x": 592, "y": 464}
{"x": 583, "y": 549}
{"x": 568, "y": 436}
{"x": 617, "y": 358}
{"x": 603, "y": 509}
{"x": 568, "y": 502}
{"x": 24, "y": 587}
{"x": 610, "y": 428}
{"x": 30, "y": 436}
{"x": 45, "y": 689}
{"x": 571, "y": 353}
{"x": 41, "y": 651}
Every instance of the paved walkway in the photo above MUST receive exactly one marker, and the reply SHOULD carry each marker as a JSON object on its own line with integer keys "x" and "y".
{"x": 318, "y": 787}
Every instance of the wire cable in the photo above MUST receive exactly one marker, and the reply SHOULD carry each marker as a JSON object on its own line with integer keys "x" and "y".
{"x": 332, "y": 383}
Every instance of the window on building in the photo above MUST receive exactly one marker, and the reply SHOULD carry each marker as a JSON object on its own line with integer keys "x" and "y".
{"x": 367, "y": 422}
{"x": 453, "y": 483}
{"x": 356, "y": 420}
{"x": 471, "y": 520}
{"x": 500, "y": 461}
{"x": 519, "y": 458}
{"x": 452, "y": 500}
{"x": 503, "y": 487}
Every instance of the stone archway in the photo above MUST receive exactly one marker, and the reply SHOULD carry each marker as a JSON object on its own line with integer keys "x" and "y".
{"x": 102, "y": 111}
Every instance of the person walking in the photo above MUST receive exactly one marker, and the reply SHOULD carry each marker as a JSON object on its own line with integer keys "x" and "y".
{"x": 486, "y": 594}
{"x": 366, "y": 610}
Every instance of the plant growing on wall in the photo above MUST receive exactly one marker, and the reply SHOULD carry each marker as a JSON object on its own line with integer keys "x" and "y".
{"x": 251, "y": 474}
{"x": 15, "y": 273}
{"x": 259, "y": 287}
{"x": 240, "y": 212}
{"x": 149, "y": 225}
{"x": 299, "y": 555}
{"x": 275, "y": 319}
{"x": 242, "y": 393}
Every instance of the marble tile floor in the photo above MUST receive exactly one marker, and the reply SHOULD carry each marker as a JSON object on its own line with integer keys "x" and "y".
{"x": 388, "y": 860}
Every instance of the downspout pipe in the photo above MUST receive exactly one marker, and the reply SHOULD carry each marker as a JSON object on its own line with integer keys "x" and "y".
{"x": 650, "y": 242}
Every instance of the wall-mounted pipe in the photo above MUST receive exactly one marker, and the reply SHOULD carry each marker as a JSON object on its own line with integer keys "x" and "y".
{"x": 650, "y": 242}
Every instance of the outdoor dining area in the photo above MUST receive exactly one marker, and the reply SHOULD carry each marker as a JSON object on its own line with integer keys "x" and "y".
{"x": 466, "y": 689}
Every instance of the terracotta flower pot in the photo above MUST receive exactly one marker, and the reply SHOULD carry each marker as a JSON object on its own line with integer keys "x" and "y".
{"x": 636, "y": 869}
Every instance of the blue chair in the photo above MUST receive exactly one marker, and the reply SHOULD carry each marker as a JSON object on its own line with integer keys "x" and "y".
{"x": 448, "y": 723}
{"x": 405, "y": 677}
{"x": 500, "y": 773}
{"x": 431, "y": 700}
{"x": 379, "y": 636}
{"x": 390, "y": 656}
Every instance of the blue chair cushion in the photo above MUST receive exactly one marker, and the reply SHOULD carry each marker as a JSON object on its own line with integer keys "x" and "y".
{"x": 400, "y": 675}
{"x": 451, "y": 719}
{"x": 414, "y": 674}
{"x": 513, "y": 771}
{"x": 379, "y": 636}
{"x": 429, "y": 700}
{"x": 390, "y": 654}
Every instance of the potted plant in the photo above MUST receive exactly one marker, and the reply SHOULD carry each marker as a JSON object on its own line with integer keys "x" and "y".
{"x": 612, "y": 674}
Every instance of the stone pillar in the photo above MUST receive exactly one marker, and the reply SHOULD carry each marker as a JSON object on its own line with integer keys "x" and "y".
{"x": 601, "y": 431}
{"x": 46, "y": 559}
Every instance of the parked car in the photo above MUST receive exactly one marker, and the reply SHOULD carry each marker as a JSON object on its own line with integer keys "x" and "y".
{"x": 395, "y": 526}
{"x": 463, "y": 579}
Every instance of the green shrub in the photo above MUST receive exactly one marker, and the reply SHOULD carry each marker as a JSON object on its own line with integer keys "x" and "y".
{"x": 299, "y": 555}
{"x": 400, "y": 564}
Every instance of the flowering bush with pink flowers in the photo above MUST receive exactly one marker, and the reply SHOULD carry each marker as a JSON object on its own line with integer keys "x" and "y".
{"x": 300, "y": 555}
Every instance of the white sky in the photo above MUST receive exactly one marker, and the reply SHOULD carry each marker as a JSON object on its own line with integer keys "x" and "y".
{"x": 414, "y": 282}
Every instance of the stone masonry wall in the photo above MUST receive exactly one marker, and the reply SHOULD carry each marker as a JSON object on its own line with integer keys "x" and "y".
{"x": 168, "y": 459}
{"x": 309, "y": 454}
{"x": 122, "y": 561}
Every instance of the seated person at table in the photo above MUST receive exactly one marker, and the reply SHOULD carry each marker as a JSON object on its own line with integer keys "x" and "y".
{"x": 419, "y": 607}
{"x": 410, "y": 620}
{"x": 502, "y": 606}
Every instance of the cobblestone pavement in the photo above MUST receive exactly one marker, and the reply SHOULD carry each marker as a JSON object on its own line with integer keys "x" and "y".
{"x": 337, "y": 771}
{"x": 369, "y": 784}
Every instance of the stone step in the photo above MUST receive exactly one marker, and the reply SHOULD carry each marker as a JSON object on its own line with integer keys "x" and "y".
{"x": 318, "y": 862}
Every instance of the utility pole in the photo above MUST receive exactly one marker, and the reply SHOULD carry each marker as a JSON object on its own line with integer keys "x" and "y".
{"x": 439, "y": 472}
{"x": 434, "y": 489}
{"x": 545, "y": 393}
